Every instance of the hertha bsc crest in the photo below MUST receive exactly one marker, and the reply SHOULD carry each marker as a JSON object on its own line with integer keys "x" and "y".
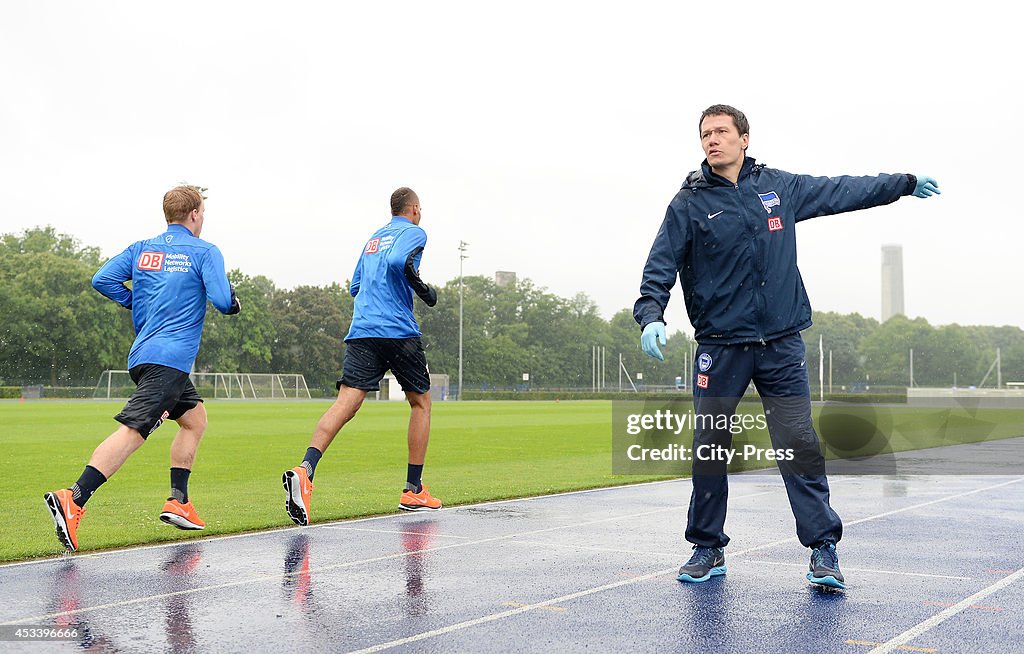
{"x": 769, "y": 200}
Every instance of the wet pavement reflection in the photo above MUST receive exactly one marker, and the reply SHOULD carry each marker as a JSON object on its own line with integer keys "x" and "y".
{"x": 178, "y": 568}
{"x": 66, "y": 600}
{"x": 416, "y": 537}
{"x": 297, "y": 581}
{"x": 559, "y": 573}
{"x": 706, "y": 615}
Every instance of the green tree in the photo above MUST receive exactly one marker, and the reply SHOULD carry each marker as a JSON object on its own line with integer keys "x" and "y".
{"x": 243, "y": 342}
{"x": 841, "y": 334}
{"x": 311, "y": 324}
{"x": 1009, "y": 341}
{"x": 948, "y": 353}
{"x": 57, "y": 329}
{"x": 886, "y": 351}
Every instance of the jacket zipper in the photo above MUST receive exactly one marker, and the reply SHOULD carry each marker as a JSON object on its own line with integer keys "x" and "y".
{"x": 758, "y": 297}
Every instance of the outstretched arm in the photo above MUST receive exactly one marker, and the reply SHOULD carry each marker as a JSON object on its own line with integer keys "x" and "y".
{"x": 824, "y": 196}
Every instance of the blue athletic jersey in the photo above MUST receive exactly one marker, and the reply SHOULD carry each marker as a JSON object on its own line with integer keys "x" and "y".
{"x": 380, "y": 286}
{"x": 172, "y": 276}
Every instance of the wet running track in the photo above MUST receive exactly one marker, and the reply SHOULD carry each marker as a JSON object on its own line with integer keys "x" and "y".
{"x": 933, "y": 564}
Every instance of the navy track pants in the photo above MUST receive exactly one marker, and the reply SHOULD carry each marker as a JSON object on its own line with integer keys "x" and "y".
{"x": 777, "y": 368}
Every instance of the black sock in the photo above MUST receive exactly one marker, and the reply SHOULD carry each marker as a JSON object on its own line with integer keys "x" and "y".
{"x": 309, "y": 462}
{"x": 413, "y": 478}
{"x": 87, "y": 484}
{"x": 179, "y": 484}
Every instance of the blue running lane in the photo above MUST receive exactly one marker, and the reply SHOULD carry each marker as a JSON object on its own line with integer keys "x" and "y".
{"x": 588, "y": 571}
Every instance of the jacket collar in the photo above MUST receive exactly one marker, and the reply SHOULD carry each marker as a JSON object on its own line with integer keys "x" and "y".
{"x": 713, "y": 179}
{"x": 179, "y": 226}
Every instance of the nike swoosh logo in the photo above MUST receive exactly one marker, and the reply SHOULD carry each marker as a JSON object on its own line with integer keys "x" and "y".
{"x": 712, "y": 215}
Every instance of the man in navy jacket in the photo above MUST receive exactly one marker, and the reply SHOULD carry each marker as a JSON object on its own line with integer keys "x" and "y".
{"x": 729, "y": 235}
{"x": 173, "y": 275}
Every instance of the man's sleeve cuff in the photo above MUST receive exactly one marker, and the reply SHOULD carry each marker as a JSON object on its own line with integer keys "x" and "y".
{"x": 913, "y": 184}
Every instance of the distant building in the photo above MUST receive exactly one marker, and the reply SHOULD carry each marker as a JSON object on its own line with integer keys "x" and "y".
{"x": 504, "y": 278}
{"x": 892, "y": 281}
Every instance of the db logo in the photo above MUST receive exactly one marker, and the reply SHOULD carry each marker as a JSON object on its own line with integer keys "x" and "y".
{"x": 151, "y": 261}
{"x": 774, "y": 224}
{"x": 160, "y": 421}
{"x": 702, "y": 381}
{"x": 371, "y": 247}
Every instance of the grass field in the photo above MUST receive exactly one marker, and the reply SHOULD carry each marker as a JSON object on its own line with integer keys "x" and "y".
{"x": 478, "y": 451}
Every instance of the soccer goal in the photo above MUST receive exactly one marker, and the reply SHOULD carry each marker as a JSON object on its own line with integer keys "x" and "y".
{"x": 117, "y": 384}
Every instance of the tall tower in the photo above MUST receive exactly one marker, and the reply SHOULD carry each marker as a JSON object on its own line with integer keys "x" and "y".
{"x": 892, "y": 281}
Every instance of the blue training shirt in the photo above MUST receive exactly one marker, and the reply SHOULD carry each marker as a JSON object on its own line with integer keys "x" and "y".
{"x": 382, "y": 291}
{"x": 172, "y": 276}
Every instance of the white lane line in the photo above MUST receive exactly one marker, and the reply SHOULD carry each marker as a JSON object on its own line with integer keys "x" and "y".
{"x": 489, "y": 540}
{"x": 929, "y": 503}
{"x": 350, "y": 564}
{"x": 392, "y": 531}
{"x": 540, "y": 605}
{"x": 330, "y": 525}
{"x": 339, "y": 566}
{"x": 591, "y": 548}
{"x": 868, "y": 570}
{"x": 67, "y": 556}
{"x": 273, "y": 530}
{"x": 558, "y": 600}
{"x": 942, "y": 616}
{"x": 507, "y": 614}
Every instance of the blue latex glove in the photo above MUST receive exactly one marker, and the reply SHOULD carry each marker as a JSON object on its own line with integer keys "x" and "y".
{"x": 653, "y": 333}
{"x": 926, "y": 187}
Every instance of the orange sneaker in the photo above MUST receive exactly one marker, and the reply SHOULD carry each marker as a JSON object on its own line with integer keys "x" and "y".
{"x": 298, "y": 489}
{"x": 66, "y": 515}
{"x": 421, "y": 501}
{"x": 182, "y": 516}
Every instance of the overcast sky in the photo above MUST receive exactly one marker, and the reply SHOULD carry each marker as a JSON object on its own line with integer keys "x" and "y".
{"x": 550, "y": 136}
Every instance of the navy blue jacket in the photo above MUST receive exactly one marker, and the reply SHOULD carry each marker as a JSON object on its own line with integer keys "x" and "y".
{"x": 172, "y": 276}
{"x": 733, "y": 247}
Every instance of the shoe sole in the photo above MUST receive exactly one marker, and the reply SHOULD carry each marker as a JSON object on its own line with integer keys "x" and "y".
{"x": 179, "y": 521}
{"x": 828, "y": 580}
{"x": 713, "y": 572}
{"x": 418, "y": 507}
{"x": 59, "y": 521}
{"x": 296, "y": 511}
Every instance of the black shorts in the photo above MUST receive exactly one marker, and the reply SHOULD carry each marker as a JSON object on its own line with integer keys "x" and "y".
{"x": 367, "y": 359}
{"x": 160, "y": 393}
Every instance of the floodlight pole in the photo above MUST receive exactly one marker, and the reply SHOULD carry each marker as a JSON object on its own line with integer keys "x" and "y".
{"x": 911, "y": 367}
{"x": 462, "y": 257}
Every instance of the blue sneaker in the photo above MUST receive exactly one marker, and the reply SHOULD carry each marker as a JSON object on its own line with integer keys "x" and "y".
{"x": 824, "y": 569}
{"x": 706, "y": 562}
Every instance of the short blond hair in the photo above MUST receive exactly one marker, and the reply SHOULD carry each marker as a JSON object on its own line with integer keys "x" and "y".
{"x": 180, "y": 201}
